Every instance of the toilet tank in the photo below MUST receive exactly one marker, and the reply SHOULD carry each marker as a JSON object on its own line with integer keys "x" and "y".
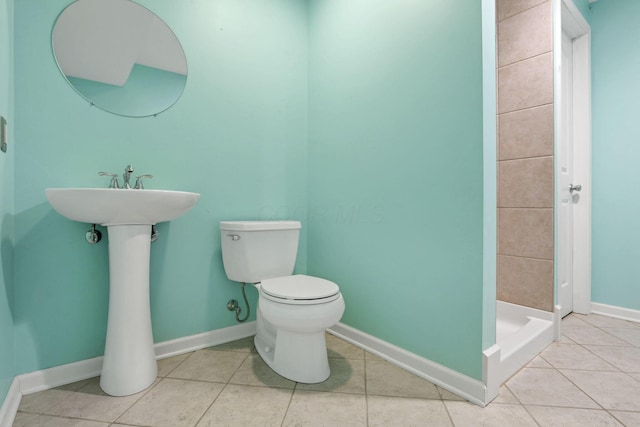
{"x": 256, "y": 250}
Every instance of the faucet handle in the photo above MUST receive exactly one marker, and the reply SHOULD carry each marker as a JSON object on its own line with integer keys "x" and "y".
{"x": 114, "y": 179}
{"x": 139, "y": 178}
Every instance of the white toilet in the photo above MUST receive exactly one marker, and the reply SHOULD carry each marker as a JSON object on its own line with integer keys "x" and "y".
{"x": 293, "y": 311}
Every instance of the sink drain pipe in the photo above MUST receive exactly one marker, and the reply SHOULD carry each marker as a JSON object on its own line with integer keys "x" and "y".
{"x": 232, "y": 305}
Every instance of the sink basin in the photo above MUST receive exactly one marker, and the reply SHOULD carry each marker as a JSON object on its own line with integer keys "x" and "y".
{"x": 110, "y": 206}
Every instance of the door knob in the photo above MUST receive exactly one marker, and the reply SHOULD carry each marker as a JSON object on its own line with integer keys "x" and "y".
{"x": 573, "y": 188}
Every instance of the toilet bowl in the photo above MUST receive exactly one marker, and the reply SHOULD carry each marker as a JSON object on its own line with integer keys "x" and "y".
{"x": 291, "y": 326}
{"x": 294, "y": 311}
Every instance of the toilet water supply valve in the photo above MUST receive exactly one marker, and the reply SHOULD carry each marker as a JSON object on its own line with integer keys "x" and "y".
{"x": 94, "y": 235}
{"x": 232, "y": 305}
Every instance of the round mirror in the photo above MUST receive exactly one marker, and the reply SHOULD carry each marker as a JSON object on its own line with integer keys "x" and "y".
{"x": 119, "y": 56}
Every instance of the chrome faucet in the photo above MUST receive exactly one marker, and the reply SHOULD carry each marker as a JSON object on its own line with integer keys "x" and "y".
{"x": 127, "y": 175}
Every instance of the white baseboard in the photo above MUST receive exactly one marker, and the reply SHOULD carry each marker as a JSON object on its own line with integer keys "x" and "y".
{"x": 617, "y": 312}
{"x": 206, "y": 339}
{"x": 466, "y": 387}
{"x": 45, "y": 379}
{"x": 491, "y": 372}
{"x": 33, "y": 382}
{"x": 10, "y": 405}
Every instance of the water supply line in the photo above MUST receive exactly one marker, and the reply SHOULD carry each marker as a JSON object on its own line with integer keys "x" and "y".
{"x": 232, "y": 305}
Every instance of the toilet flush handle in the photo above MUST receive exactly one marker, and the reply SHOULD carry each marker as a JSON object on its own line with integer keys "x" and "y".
{"x": 233, "y": 237}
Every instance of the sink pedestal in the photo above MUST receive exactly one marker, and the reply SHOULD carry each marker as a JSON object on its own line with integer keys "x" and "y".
{"x": 129, "y": 364}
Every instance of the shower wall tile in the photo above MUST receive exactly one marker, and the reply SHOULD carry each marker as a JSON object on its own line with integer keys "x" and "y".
{"x": 525, "y": 153}
{"x": 526, "y": 232}
{"x": 507, "y": 8}
{"x": 526, "y": 133}
{"x": 525, "y": 35}
{"x": 525, "y": 281}
{"x": 526, "y": 84}
{"x": 526, "y": 183}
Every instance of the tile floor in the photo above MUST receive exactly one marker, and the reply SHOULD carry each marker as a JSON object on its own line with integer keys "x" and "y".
{"x": 590, "y": 378}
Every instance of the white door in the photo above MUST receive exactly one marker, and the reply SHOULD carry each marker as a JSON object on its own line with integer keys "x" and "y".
{"x": 567, "y": 193}
{"x": 573, "y": 163}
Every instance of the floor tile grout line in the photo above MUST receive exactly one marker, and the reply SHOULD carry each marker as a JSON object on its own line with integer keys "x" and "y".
{"x": 390, "y": 395}
{"x": 580, "y": 388}
{"x": 142, "y": 395}
{"x": 512, "y": 393}
{"x": 535, "y": 420}
{"x": 602, "y": 358}
{"x": 602, "y": 329}
{"x": 624, "y": 339}
{"x": 448, "y": 411}
{"x": 366, "y": 392}
{"x": 71, "y": 393}
{"x": 246, "y": 357}
{"x": 616, "y": 369}
{"x": 609, "y": 334}
{"x": 582, "y": 408}
{"x": 121, "y": 423}
{"x": 286, "y": 411}
{"x": 609, "y": 411}
{"x": 47, "y": 412}
{"x": 224, "y": 387}
{"x": 189, "y": 354}
{"x": 584, "y": 317}
{"x": 210, "y": 405}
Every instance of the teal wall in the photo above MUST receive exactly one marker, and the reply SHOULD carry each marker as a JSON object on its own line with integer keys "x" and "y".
{"x": 378, "y": 151}
{"x": 616, "y": 152}
{"x": 395, "y": 170}
{"x": 237, "y": 136}
{"x": 7, "y": 290}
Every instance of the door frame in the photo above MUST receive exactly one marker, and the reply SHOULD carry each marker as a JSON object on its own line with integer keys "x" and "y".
{"x": 573, "y": 23}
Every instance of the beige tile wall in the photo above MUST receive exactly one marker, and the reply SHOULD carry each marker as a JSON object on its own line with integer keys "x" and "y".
{"x": 525, "y": 152}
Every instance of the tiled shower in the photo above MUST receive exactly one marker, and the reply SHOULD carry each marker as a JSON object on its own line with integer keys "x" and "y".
{"x": 525, "y": 153}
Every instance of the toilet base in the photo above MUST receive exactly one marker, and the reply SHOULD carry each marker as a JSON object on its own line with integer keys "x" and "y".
{"x": 298, "y": 357}
{"x": 290, "y": 338}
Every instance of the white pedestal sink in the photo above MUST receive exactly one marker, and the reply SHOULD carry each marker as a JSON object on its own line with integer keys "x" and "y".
{"x": 129, "y": 364}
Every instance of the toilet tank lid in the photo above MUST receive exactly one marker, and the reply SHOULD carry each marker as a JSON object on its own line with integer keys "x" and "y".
{"x": 259, "y": 225}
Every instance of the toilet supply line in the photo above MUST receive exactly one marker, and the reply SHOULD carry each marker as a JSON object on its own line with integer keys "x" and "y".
{"x": 232, "y": 305}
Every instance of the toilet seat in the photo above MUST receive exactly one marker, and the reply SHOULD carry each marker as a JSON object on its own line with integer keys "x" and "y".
{"x": 299, "y": 289}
